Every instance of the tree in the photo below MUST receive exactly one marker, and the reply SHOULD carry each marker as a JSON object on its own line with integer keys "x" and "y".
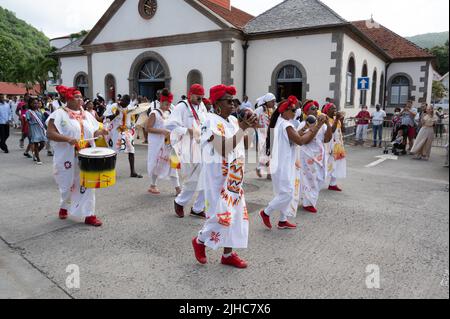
{"x": 441, "y": 53}
{"x": 439, "y": 91}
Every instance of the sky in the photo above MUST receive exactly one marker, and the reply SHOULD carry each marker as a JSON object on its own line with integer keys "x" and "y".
{"x": 406, "y": 17}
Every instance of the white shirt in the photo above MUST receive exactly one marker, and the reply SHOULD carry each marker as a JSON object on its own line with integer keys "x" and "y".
{"x": 378, "y": 117}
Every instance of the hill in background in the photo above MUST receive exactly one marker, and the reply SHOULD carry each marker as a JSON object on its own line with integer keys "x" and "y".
{"x": 19, "y": 42}
{"x": 430, "y": 40}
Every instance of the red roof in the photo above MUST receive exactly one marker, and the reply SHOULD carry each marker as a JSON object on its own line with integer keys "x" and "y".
{"x": 18, "y": 89}
{"x": 393, "y": 44}
{"x": 235, "y": 16}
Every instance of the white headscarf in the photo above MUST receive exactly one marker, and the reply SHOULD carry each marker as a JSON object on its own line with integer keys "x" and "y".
{"x": 269, "y": 97}
{"x": 260, "y": 101}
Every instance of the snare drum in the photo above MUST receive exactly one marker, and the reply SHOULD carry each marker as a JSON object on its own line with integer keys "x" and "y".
{"x": 98, "y": 167}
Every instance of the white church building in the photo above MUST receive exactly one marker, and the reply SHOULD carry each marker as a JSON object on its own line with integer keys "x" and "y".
{"x": 299, "y": 47}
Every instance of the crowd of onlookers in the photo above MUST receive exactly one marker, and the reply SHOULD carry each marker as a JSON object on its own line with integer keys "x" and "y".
{"x": 412, "y": 130}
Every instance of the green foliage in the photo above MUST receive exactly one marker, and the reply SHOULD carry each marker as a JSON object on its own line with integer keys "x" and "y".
{"x": 439, "y": 91}
{"x": 441, "y": 53}
{"x": 24, "y": 52}
{"x": 430, "y": 40}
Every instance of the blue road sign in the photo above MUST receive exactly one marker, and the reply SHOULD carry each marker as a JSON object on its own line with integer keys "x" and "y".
{"x": 363, "y": 83}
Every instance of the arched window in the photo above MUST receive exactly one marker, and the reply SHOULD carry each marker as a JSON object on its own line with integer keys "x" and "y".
{"x": 350, "y": 82}
{"x": 194, "y": 77}
{"x": 289, "y": 82}
{"x": 382, "y": 93}
{"x": 373, "y": 99}
{"x": 363, "y": 95}
{"x": 399, "y": 90}
{"x": 81, "y": 83}
{"x": 110, "y": 87}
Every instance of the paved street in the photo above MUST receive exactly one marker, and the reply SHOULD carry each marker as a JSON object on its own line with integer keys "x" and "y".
{"x": 394, "y": 215}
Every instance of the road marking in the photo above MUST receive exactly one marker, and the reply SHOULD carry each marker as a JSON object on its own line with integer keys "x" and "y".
{"x": 381, "y": 159}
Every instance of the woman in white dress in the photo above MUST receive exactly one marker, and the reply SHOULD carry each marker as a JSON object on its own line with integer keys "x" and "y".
{"x": 313, "y": 157}
{"x": 223, "y": 172}
{"x": 68, "y": 128}
{"x": 282, "y": 163}
{"x": 337, "y": 162}
{"x": 264, "y": 113}
{"x": 159, "y": 149}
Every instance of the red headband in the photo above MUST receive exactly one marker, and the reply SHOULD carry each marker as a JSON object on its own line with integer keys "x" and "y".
{"x": 327, "y": 107}
{"x": 291, "y": 101}
{"x": 197, "y": 89}
{"x": 67, "y": 93}
{"x": 164, "y": 98}
{"x": 308, "y": 106}
{"x": 217, "y": 92}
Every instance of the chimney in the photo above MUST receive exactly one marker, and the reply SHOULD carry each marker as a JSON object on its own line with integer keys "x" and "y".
{"x": 223, "y": 3}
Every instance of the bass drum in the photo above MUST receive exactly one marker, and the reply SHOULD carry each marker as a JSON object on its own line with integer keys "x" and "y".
{"x": 97, "y": 167}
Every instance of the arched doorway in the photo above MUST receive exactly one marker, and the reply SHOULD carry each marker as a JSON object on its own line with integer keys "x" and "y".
{"x": 151, "y": 79}
{"x": 149, "y": 73}
{"x": 81, "y": 82}
{"x": 110, "y": 87}
{"x": 289, "y": 78}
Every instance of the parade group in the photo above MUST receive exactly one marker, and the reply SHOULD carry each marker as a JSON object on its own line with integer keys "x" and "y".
{"x": 200, "y": 145}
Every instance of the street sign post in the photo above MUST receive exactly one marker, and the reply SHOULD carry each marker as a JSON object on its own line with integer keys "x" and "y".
{"x": 363, "y": 83}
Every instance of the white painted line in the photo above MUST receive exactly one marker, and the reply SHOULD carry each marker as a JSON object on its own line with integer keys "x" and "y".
{"x": 382, "y": 158}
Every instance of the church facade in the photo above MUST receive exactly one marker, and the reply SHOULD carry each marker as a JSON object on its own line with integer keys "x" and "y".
{"x": 299, "y": 47}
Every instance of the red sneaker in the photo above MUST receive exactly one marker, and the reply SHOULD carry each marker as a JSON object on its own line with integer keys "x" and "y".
{"x": 93, "y": 221}
{"x": 265, "y": 219}
{"x": 179, "y": 210}
{"x": 310, "y": 209}
{"x": 234, "y": 261}
{"x": 199, "y": 251}
{"x": 335, "y": 188}
{"x": 286, "y": 225}
{"x": 63, "y": 214}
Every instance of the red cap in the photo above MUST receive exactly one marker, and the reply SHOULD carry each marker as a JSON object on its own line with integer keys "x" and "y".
{"x": 217, "y": 92}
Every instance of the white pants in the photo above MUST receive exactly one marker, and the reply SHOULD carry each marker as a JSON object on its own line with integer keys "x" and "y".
{"x": 280, "y": 204}
{"x": 174, "y": 179}
{"x": 186, "y": 196}
{"x": 361, "y": 132}
{"x": 333, "y": 181}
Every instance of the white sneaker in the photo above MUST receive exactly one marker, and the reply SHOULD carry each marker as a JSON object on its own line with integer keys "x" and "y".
{"x": 39, "y": 163}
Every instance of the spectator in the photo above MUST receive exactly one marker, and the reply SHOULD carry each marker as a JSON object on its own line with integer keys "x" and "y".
{"x": 377, "y": 121}
{"x": 246, "y": 103}
{"x": 422, "y": 147}
{"x": 37, "y": 129}
{"x": 5, "y": 120}
{"x": 440, "y": 115}
{"x": 362, "y": 125}
{"x": 408, "y": 125}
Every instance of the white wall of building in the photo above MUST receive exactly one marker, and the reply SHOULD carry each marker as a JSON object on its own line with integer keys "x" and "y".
{"x": 413, "y": 69}
{"x": 70, "y": 66}
{"x": 205, "y": 57}
{"x": 173, "y": 17}
{"x": 361, "y": 54}
{"x": 312, "y": 51}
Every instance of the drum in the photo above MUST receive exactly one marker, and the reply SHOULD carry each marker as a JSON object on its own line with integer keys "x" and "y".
{"x": 98, "y": 167}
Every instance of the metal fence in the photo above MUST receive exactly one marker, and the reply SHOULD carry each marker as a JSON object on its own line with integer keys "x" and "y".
{"x": 389, "y": 133}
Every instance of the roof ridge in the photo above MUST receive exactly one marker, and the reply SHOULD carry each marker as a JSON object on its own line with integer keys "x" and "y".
{"x": 259, "y": 15}
{"x": 332, "y": 11}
